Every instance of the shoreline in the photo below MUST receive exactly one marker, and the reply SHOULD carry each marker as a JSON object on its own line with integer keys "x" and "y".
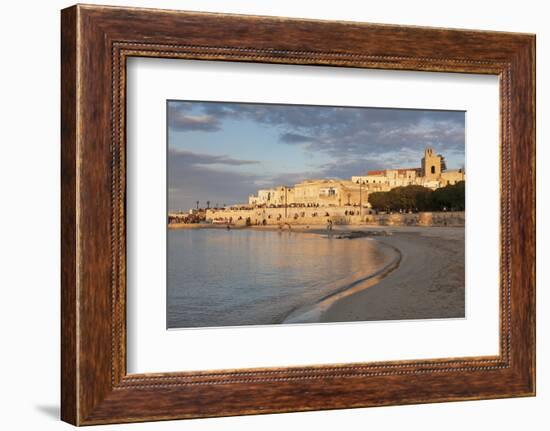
{"x": 425, "y": 280}
{"x": 311, "y": 313}
{"x": 311, "y": 228}
{"x": 428, "y": 284}
{"x": 271, "y": 217}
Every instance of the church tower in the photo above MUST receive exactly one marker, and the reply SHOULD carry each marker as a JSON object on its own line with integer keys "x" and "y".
{"x": 431, "y": 164}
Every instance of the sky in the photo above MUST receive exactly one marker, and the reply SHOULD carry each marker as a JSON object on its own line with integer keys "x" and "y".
{"x": 222, "y": 152}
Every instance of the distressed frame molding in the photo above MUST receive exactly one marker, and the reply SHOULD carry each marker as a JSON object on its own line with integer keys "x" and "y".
{"x": 95, "y": 42}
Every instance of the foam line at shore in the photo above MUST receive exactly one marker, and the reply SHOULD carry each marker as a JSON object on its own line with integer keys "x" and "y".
{"x": 311, "y": 313}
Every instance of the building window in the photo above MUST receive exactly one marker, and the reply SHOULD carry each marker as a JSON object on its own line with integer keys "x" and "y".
{"x": 433, "y": 169}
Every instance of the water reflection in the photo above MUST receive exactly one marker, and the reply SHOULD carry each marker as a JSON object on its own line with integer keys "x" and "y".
{"x": 249, "y": 277}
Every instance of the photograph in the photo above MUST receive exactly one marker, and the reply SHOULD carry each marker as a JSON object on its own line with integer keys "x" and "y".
{"x": 292, "y": 214}
{"x": 275, "y": 215}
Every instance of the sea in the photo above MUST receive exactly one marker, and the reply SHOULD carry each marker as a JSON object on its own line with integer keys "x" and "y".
{"x": 239, "y": 277}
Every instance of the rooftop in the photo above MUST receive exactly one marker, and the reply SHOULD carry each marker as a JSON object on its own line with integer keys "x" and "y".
{"x": 400, "y": 171}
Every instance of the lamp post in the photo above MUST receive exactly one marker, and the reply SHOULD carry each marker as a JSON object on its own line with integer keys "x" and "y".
{"x": 360, "y": 198}
{"x": 286, "y": 202}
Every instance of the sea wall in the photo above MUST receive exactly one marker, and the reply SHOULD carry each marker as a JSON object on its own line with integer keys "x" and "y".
{"x": 454, "y": 218}
{"x": 336, "y": 215}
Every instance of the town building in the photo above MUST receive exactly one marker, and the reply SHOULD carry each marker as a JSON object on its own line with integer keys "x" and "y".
{"x": 432, "y": 174}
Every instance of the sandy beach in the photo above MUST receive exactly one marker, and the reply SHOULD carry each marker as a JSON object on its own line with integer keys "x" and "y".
{"x": 427, "y": 282}
{"x": 364, "y": 273}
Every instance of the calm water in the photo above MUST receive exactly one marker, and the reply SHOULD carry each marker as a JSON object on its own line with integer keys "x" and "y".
{"x": 247, "y": 277}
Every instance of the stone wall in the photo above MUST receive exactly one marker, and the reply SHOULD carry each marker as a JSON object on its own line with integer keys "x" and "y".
{"x": 451, "y": 218}
{"x": 338, "y": 215}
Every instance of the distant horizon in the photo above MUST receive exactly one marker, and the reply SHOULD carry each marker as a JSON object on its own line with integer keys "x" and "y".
{"x": 224, "y": 151}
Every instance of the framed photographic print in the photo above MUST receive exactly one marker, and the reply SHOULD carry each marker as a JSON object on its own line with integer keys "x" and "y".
{"x": 266, "y": 215}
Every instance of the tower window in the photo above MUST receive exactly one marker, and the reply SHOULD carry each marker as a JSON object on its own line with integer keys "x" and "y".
{"x": 433, "y": 169}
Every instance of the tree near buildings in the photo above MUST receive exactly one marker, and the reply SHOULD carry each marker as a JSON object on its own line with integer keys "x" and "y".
{"x": 380, "y": 201}
{"x": 418, "y": 198}
{"x": 451, "y": 197}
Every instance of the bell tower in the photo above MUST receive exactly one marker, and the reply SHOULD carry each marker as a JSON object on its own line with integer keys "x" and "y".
{"x": 431, "y": 164}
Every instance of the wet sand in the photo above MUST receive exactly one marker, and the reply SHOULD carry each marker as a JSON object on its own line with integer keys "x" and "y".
{"x": 427, "y": 283}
